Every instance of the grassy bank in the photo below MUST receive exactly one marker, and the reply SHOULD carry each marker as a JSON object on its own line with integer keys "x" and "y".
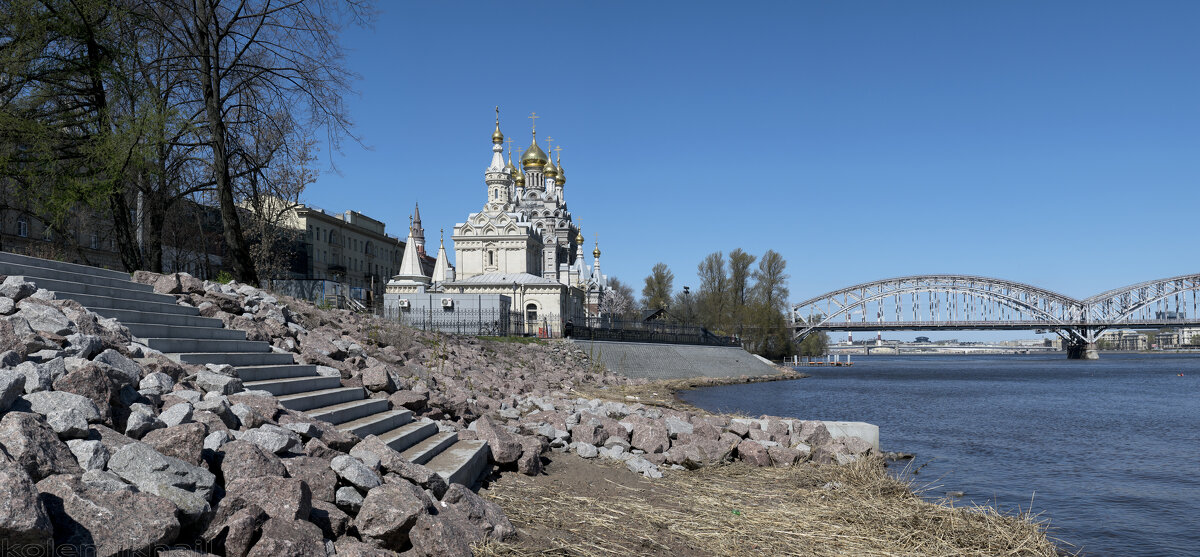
{"x": 587, "y": 509}
{"x": 665, "y": 393}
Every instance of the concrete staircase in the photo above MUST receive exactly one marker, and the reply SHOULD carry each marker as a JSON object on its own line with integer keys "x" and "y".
{"x": 157, "y": 321}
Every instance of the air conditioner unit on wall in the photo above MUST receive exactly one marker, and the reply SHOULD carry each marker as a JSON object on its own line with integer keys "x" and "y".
{"x": 447, "y": 302}
{"x": 403, "y": 303}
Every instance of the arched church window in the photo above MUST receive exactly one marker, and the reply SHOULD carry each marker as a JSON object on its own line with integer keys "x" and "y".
{"x": 531, "y": 312}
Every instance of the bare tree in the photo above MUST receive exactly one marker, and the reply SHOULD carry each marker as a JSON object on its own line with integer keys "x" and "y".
{"x": 253, "y": 62}
{"x": 618, "y": 299}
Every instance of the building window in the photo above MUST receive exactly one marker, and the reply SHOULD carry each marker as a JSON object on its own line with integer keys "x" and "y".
{"x": 531, "y": 312}
{"x": 94, "y": 241}
{"x": 491, "y": 258}
{"x": 22, "y": 226}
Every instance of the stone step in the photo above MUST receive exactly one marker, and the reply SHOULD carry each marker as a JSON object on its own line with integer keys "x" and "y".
{"x": 128, "y": 316}
{"x": 37, "y": 273}
{"x": 408, "y": 435}
{"x": 349, "y": 411}
{"x": 151, "y": 330}
{"x": 92, "y": 302}
{"x": 430, "y": 447}
{"x": 62, "y": 287}
{"x": 235, "y": 358}
{"x": 462, "y": 463}
{"x": 292, "y": 385}
{"x": 7, "y": 258}
{"x": 307, "y": 402}
{"x": 375, "y": 424}
{"x": 206, "y": 345}
{"x": 263, "y": 373}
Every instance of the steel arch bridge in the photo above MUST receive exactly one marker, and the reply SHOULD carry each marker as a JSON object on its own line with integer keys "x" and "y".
{"x": 964, "y": 302}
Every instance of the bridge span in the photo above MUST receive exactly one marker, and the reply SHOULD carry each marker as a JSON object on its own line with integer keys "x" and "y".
{"x": 964, "y": 302}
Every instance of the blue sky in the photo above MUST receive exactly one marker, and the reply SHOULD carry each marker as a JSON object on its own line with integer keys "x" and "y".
{"x": 1053, "y": 143}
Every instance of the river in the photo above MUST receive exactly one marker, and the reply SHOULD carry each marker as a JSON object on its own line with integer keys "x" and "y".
{"x": 1108, "y": 451}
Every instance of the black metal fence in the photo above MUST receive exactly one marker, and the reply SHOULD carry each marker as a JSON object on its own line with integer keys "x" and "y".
{"x": 606, "y": 328}
{"x": 485, "y": 322}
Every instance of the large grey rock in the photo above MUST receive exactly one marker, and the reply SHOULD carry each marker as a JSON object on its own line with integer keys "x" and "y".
{"x": 449, "y": 533}
{"x": 48, "y": 403}
{"x": 93, "y": 382}
{"x": 506, "y": 447}
{"x": 7, "y": 306}
{"x": 292, "y": 538}
{"x": 585, "y": 450}
{"x": 28, "y": 439}
{"x": 676, "y": 426}
{"x": 183, "y": 441}
{"x": 107, "y": 522}
{"x": 272, "y": 438}
{"x": 17, "y": 288}
{"x": 280, "y": 497}
{"x": 141, "y": 421}
{"x": 84, "y": 346}
{"x": 348, "y": 498}
{"x": 485, "y": 514}
{"x": 91, "y": 454}
{"x": 188, "y": 486}
{"x": 650, "y": 437}
{"x": 43, "y": 317}
{"x": 215, "y": 382}
{"x": 242, "y": 459}
{"x": 316, "y": 472}
{"x": 331, "y": 520}
{"x": 177, "y": 414}
{"x": 127, "y": 369}
{"x": 355, "y": 472}
{"x": 234, "y": 529}
{"x": 388, "y": 513}
{"x": 24, "y": 525}
{"x": 156, "y": 382}
{"x": 753, "y": 453}
{"x": 12, "y": 384}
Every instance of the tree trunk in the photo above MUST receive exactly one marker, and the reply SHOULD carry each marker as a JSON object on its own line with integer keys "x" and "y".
{"x": 240, "y": 260}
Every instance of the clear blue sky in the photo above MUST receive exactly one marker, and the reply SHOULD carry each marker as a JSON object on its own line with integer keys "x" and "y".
{"x": 1053, "y": 143}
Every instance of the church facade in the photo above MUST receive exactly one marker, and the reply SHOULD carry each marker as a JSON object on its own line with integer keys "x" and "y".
{"x": 523, "y": 249}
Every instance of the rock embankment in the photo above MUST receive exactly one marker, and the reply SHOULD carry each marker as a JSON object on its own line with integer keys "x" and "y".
{"x": 108, "y": 444}
{"x": 108, "y": 447}
{"x": 516, "y": 396}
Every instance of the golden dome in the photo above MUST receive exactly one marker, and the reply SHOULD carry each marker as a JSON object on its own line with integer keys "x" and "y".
{"x": 534, "y": 156}
{"x": 579, "y": 238}
{"x": 596, "y": 252}
{"x": 510, "y": 169}
{"x": 561, "y": 178}
{"x": 551, "y": 171}
{"x": 520, "y": 179}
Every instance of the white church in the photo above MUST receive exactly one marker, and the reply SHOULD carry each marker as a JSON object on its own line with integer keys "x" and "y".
{"x": 522, "y": 253}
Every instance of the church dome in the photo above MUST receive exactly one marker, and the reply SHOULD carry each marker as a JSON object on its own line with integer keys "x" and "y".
{"x": 510, "y": 169}
{"x": 596, "y": 252}
{"x": 561, "y": 178}
{"x": 551, "y": 171}
{"x": 579, "y": 237}
{"x": 520, "y": 179}
{"x": 497, "y": 137}
{"x": 534, "y": 156}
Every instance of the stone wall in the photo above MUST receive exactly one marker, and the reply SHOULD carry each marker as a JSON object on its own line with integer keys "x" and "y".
{"x": 674, "y": 361}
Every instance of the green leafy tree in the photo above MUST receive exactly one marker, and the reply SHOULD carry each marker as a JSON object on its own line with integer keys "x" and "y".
{"x": 656, "y": 294}
{"x": 815, "y": 344}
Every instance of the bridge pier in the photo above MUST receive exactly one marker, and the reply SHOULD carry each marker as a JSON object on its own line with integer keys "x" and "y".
{"x": 1079, "y": 350}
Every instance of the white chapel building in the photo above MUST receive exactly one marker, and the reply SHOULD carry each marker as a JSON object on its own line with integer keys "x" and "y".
{"x": 522, "y": 253}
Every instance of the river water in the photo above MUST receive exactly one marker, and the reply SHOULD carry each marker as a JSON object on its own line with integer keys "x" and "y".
{"x": 1108, "y": 451}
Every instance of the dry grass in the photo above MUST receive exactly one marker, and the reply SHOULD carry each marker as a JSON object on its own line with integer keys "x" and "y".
{"x": 740, "y": 510}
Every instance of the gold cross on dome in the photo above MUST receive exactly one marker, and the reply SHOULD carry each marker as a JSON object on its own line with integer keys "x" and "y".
{"x": 509, "y": 141}
{"x": 557, "y": 151}
{"x": 533, "y": 116}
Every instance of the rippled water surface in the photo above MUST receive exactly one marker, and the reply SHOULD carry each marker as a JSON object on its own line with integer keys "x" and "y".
{"x": 1108, "y": 450}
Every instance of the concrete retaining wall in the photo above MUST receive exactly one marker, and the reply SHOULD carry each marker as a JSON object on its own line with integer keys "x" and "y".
{"x": 675, "y": 361}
